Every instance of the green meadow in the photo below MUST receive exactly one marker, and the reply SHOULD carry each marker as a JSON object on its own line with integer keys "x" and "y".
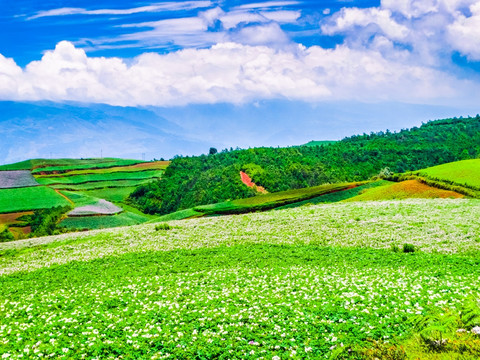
{"x": 322, "y": 281}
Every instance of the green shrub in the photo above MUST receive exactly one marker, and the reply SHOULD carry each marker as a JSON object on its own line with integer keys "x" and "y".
{"x": 408, "y": 248}
{"x": 395, "y": 248}
{"x": 6, "y": 235}
{"x": 162, "y": 226}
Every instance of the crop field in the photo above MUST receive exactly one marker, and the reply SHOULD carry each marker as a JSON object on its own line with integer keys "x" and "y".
{"x": 103, "y": 222}
{"x": 404, "y": 190}
{"x": 100, "y": 185}
{"x": 466, "y": 172}
{"x": 118, "y": 194}
{"x": 79, "y": 179}
{"x": 16, "y": 179}
{"x": 155, "y": 165}
{"x": 272, "y": 200}
{"x": 29, "y": 198}
{"x": 64, "y": 165}
{"x": 308, "y": 283}
{"x": 100, "y": 207}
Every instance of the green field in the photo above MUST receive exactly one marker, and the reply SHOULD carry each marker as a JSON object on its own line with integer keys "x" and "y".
{"x": 103, "y": 222}
{"x": 464, "y": 173}
{"x": 271, "y": 200}
{"x": 136, "y": 167}
{"x": 100, "y": 185}
{"x": 81, "y": 179}
{"x": 111, "y": 194}
{"x": 29, "y": 198}
{"x": 306, "y": 283}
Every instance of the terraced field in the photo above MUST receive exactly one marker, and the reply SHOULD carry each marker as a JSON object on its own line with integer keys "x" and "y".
{"x": 91, "y": 186}
{"x": 316, "y": 282}
{"x": 29, "y": 198}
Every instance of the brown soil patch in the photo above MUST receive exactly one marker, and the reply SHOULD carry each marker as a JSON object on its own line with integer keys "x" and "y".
{"x": 11, "y": 218}
{"x": 248, "y": 181}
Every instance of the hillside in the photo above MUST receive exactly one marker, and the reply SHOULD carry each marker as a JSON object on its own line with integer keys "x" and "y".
{"x": 194, "y": 181}
{"x": 91, "y": 193}
{"x": 327, "y": 281}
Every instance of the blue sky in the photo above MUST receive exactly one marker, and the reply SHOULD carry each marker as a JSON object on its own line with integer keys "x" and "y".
{"x": 218, "y": 70}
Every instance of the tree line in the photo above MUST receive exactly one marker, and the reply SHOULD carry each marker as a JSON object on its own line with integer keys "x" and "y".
{"x": 206, "y": 179}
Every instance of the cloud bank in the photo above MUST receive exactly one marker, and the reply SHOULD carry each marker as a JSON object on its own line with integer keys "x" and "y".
{"x": 227, "y": 72}
{"x": 399, "y": 51}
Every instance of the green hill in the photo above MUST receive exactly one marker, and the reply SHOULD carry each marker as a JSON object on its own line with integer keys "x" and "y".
{"x": 202, "y": 180}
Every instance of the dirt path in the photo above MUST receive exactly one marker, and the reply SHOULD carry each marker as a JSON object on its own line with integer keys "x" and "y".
{"x": 66, "y": 198}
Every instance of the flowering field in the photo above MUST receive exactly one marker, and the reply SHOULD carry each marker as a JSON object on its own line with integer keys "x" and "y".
{"x": 16, "y": 179}
{"x": 311, "y": 282}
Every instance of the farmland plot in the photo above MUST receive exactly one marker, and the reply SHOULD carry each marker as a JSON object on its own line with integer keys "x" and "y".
{"x": 100, "y": 207}
{"x": 312, "y": 282}
{"x": 29, "y": 198}
{"x": 16, "y": 179}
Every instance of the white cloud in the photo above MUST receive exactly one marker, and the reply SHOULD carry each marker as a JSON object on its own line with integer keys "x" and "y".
{"x": 349, "y": 18}
{"x": 165, "y": 6}
{"x": 226, "y": 72}
{"x": 464, "y": 33}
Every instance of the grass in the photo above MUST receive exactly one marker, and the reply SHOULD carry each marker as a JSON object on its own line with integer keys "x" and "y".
{"x": 306, "y": 283}
{"x": 101, "y": 185}
{"x": 80, "y": 199}
{"x": 178, "y": 215}
{"x": 336, "y": 196}
{"x": 103, "y": 222}
{"x": 23, "y": 165}
{"x": 271, "y": 200}
{"x": 30, "y": 198}
{"x": 404, "y": 190}
{"x": 464, "y": 173}
{"x": 109, "y": 177}
{"x": 111, "y": 194}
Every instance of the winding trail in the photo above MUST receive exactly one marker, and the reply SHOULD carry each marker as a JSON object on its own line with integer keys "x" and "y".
{"x": 66, "y": 198}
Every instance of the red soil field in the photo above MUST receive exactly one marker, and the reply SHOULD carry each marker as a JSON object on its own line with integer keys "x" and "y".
{"x": 248, "y": 181}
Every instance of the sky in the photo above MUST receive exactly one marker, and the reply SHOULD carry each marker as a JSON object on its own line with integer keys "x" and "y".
{"x": 229, "y": 73}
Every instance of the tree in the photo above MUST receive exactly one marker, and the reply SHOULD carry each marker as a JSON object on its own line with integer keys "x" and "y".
{"x": 212, "y": 151}
{"x": 6, "y": 235}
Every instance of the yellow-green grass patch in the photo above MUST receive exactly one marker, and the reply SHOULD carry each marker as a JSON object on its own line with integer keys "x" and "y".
{"x": 465, "y": 172}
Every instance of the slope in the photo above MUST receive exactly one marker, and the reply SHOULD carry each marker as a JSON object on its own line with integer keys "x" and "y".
{"x": 194, "y": 181}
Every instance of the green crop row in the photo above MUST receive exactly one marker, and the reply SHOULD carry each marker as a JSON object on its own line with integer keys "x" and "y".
{"x": 81, "y": 179}
{"x": 63, "y": 165}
